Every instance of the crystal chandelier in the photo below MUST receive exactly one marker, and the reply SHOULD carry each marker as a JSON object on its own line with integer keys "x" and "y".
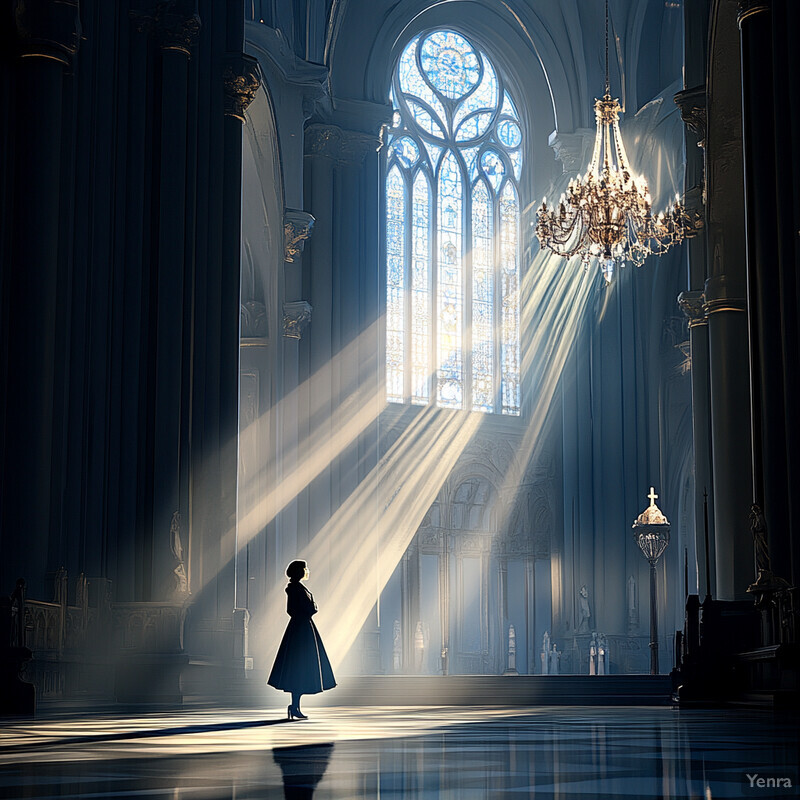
{"x": 606, "y": 213}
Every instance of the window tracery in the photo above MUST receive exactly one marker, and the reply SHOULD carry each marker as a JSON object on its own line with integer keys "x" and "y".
{"x": 452, "y": 230}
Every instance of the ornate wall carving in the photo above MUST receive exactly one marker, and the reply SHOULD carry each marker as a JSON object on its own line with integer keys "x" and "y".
{"x": 297, "y": 227}
{"x": 692, "y": 103}
{"x": 241, "y": 78}
{"x": 296, "y": 316}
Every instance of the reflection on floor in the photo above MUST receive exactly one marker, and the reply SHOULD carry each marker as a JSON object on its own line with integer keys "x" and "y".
{"x": 432, "y": 752}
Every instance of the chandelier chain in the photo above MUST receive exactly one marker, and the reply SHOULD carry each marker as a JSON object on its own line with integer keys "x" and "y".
{"x": 608, "y": 85}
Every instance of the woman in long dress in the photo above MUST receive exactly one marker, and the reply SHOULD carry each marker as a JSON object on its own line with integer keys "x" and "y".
{"x": 302, "y": 665}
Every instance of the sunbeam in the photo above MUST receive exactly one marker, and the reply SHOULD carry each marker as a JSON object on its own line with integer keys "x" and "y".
{"x": 365, "y": 539}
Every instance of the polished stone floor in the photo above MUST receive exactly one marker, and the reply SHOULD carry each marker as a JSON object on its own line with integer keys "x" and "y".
{"x": 592, "y": 753}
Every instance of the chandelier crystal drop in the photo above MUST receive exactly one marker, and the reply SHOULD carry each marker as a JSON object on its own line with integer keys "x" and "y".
{"x": 606, "y": 213}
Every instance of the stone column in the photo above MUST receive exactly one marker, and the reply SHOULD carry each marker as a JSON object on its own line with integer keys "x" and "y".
{"x": 692, "y": 104}
{"x": 241, "y": 78}
{"x": 767, "y": 282}
{"x": 692, "y": 305}
{"x": 444, "y": 602}
{"x": 176, "y": 33}
{"x": 530, "y": 612}
{"x": 724, "y": 292}
{"x": 730, "y": 418}
{"x": 47, "y": 35}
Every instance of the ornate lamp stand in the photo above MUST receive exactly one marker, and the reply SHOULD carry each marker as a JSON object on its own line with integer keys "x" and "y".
{"x": 651, "y": 530}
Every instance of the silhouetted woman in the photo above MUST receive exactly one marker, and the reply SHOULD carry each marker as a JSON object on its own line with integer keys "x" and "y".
{"x": 301, "y": 666}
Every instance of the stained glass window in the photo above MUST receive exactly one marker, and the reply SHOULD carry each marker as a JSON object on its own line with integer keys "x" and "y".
{"x": 395, "y": 285}
{"x": 454, "y": 160}
{"x": 482, "y": 299}
{"x": 421, "y": 291}
{"x": 509, "y": 271}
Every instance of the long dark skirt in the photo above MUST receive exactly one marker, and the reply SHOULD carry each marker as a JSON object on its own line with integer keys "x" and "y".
{"x": 302, "y": 664}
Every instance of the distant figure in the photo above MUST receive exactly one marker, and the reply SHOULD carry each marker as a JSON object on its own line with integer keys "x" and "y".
{"x": 758, "y": 527}
{"x": 302, "y": 665}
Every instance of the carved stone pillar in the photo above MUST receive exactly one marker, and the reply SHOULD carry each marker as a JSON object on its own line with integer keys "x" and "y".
{"x": 692, "y": 305}
{"x": 47, "y": 35}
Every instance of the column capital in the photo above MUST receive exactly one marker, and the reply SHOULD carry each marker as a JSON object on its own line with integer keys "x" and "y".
{"x": 297, "y": 227}
{"x": 241, "y": 78}
{"x": 693, "y": 306}
{"x": 175, "y": 26}
{"x": 749, "y": 8}
{"x": 718, "y": 297}
{"x": 692, "y": 103}
{"x": 296, "y": 315}
{"x": 339, "y": 145}
{"x": 48, "y": 29}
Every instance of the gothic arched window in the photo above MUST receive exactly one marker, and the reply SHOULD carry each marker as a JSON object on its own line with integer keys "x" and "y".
{"x": 452, "y": 230}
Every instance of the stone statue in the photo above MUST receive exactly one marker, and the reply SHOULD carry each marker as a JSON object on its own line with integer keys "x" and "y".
{"x": 593, "y": 654}
{"x": 554, "y": 659}
{"x": 512, "y": 652}
{"x": 419, "y": 647}
{"x": 584, "y": 611}
{"x": 181, "y": 587}
{"x": 602, "y": 654}
{"x": 546, "y": 653}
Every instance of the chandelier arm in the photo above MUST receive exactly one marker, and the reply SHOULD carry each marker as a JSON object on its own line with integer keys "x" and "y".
{"x": 622, "y": 156}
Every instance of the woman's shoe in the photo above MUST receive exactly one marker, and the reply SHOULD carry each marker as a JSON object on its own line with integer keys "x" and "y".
{"x": 296, "y": 713}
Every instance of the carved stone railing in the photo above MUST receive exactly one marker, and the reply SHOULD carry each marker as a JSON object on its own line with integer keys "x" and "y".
{"x": 133, "y": 652}
{"x": 81, "y": 650}
{"x": 148, "y": 627}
